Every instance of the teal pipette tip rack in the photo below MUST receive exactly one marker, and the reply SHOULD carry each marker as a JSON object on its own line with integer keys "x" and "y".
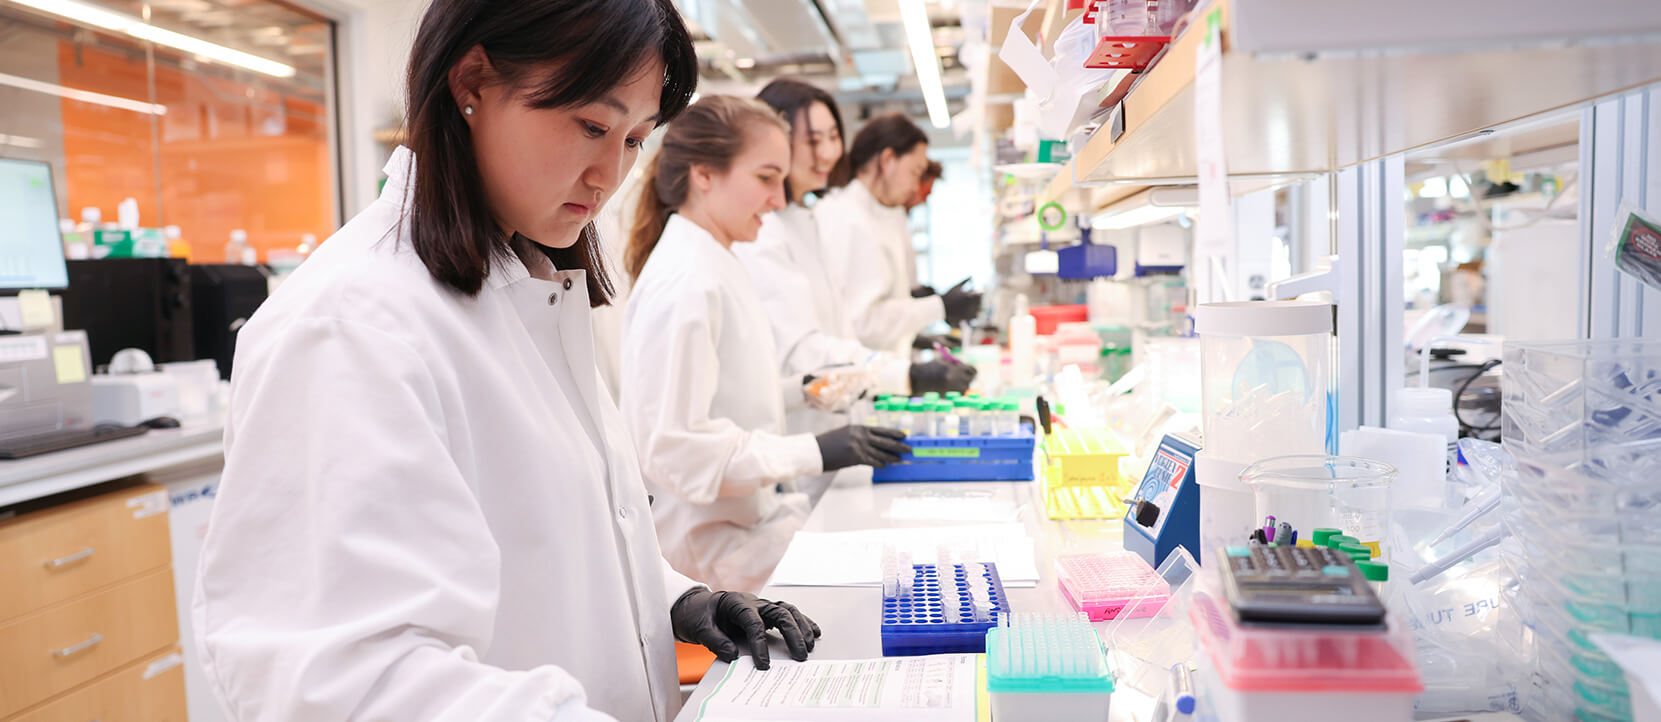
{"x": 1046, "y": 654}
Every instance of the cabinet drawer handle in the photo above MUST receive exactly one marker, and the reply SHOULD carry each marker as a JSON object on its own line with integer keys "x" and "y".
{"x": 71, "y": 559}
{"x": 79, "y": 648}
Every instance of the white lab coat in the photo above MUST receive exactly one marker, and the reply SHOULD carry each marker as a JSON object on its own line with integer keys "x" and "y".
{"x": 704, "y": 397}
{"x": 866, "y": 245}
{"x": 430, "y": 508}
{"x": 810, "y": 330}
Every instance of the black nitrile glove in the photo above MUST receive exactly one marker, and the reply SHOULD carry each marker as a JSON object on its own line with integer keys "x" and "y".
{"x": 960, "y": 305}
{"x": 925, "y": 342}
{"x": 861, "y": 446}
{"x": 726, "y": 622}
{"x": 923, "y": 291}
{"x": 941, "y": 377}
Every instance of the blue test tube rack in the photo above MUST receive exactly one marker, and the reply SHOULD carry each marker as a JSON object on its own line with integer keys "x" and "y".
{"x": 946, "y": 609}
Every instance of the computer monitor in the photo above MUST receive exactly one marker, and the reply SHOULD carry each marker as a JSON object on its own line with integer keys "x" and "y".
{"x": 31, "y": 247}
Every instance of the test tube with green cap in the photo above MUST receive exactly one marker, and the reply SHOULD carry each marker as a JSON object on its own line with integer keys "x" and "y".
{"x": 946, "y": 421}
{"x": 1375, "y": 572}
{"x": 1009, "y": 419}
{"x": 922, "y": 417}
{"x": 1321, "y": 535}
{"x": 1357, "y": 552}
{"x": 953, "y": 395}
{"x": 1336, "y": 540}
{"x": 966, "y": 410}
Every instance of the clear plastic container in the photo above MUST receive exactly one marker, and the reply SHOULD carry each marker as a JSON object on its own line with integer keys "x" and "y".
{"x": 1125, "y": 17}
{"x": 1143, "y": 648}
{"x": 1009, "y": 419}
{"x": 1108, "y": 586}
{"x": 903, "y": 418}
{"x": 922, "y": 417}
{"x": 980, "y": 420}
{"x": 1587, "y": 406}
{"x": 966, "y": 409}
{"x": 1265, "y": 378}
{"x": 1310, "y": 492}
{"x": 947, "y": 422}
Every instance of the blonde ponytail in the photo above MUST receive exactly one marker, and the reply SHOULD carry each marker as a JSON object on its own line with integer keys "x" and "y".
{"x": 711, "y": 133}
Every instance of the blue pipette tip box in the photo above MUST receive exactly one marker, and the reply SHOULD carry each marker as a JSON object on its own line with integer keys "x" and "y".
{"x": 920, "y": 624}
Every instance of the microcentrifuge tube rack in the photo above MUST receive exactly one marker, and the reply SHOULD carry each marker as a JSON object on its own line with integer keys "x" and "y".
{"x": 939, "y": 609}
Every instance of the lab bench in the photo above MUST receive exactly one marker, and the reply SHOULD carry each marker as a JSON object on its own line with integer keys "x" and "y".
{"x": 103, "y": 541}
{"x": 848, "y": 616}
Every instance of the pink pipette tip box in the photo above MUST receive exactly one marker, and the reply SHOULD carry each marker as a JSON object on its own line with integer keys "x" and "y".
{"x": 1103, "y": 585}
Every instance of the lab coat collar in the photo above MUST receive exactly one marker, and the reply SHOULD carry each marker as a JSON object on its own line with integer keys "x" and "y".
{"x": 681, "y": 226}
{"x": 505, "y": 269}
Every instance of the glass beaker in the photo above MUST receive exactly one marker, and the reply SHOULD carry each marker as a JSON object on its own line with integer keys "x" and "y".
{"x": 1313, "y": 491}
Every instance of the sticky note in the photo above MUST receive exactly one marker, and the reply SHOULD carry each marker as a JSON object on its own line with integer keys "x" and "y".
{"x": 36, "y": 306}
{"x": 71, "y": 364}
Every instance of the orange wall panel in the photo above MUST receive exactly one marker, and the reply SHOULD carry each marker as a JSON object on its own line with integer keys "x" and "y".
{"x": 232, "y": 155}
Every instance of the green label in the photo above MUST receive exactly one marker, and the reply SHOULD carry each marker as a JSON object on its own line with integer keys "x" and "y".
{"x": 946, "y": 452}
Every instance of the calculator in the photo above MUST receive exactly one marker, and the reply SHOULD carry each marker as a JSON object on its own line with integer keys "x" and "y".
{"x": 1297, "y": 586}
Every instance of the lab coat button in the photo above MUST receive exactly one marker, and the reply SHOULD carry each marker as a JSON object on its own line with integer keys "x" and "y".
{"x": 622, "y": 512}
{"x": 553, "y": 298}
{"x": 567, "y": 284}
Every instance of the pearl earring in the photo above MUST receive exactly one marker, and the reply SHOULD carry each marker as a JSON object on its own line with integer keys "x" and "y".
{"x": 468, "y": 110}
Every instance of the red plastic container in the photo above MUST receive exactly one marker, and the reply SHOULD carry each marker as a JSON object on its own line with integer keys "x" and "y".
{"x": 1127, "y": 53}
{"x": 1051, "y": 317}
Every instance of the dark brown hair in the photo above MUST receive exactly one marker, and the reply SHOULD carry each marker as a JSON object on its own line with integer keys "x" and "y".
{"x": 933, "y": 171}
{"x": 792, "y": 98}
{"x": 450, "y": 221}
{"x": 710, "y": 133}
{"x": 892, "y": 131}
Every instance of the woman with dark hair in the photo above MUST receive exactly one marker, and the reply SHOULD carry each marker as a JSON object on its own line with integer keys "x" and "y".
{"x": 787, "y": 266}
{"x": 430, "y": 509}
{"x": 866, "y": 222}
{"x": 701, "y": 384}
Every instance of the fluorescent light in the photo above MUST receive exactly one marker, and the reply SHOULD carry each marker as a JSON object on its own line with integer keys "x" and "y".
{"x": 209, "y": 50}
{"x": 99, "y": 17}
{"x": 85, "y": 96}
{"x": 927, "y": 62}
{"x": 81, "y": 12}
{"x": 1142, "y": 216}
{"x": 20, "y": 141}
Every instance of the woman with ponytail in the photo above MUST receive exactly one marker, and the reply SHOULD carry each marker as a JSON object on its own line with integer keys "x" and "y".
{"x": 701, "y": 387}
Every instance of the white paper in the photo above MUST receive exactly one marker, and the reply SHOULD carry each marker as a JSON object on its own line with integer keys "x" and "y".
{"x": 1214, "y": 235}
{"x": 1023, "y": 57}
{"x": 952, "y": 505}
{"x": 148, "y": 505}
{"x": 854, "y": 558}
{"x": 1638, "y": 657}
{"x": 939, "y": 688}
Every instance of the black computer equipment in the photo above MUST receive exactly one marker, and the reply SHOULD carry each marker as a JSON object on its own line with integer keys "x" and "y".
{"x": 142, "y": 303}
{"x": 223, "y": 298}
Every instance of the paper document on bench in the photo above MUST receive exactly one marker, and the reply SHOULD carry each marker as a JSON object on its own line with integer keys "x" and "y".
{"x": 854, "y": 558}
{"x": 939, "y": 688}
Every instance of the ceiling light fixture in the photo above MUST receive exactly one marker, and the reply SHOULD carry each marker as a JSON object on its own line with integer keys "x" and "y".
{"x": 99, "y": 17}
{"x": 85, "y": 96}
{"x": 920, "y": 36}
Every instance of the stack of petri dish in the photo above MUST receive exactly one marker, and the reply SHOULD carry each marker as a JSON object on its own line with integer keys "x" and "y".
{"x": 1583, "y": 421}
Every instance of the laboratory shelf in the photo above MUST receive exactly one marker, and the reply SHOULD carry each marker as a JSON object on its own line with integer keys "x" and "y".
{"x": 1309, "y": 87}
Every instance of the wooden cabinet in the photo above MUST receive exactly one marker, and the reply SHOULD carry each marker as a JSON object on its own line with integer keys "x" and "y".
{"x": 64, "y": 552}
{"x": 88, "y": 616}
{"x": 149, "y": 690}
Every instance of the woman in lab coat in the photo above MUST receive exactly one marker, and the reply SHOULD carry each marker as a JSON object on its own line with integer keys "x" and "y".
{"x": 701, "y": 385}
{"x": 430, "y": 508}
{"x": 787, "y": 266}
{"x": 864, "y": 223}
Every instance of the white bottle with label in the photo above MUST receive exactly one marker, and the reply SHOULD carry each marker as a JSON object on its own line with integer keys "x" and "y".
{"x": 238, "y": 252}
